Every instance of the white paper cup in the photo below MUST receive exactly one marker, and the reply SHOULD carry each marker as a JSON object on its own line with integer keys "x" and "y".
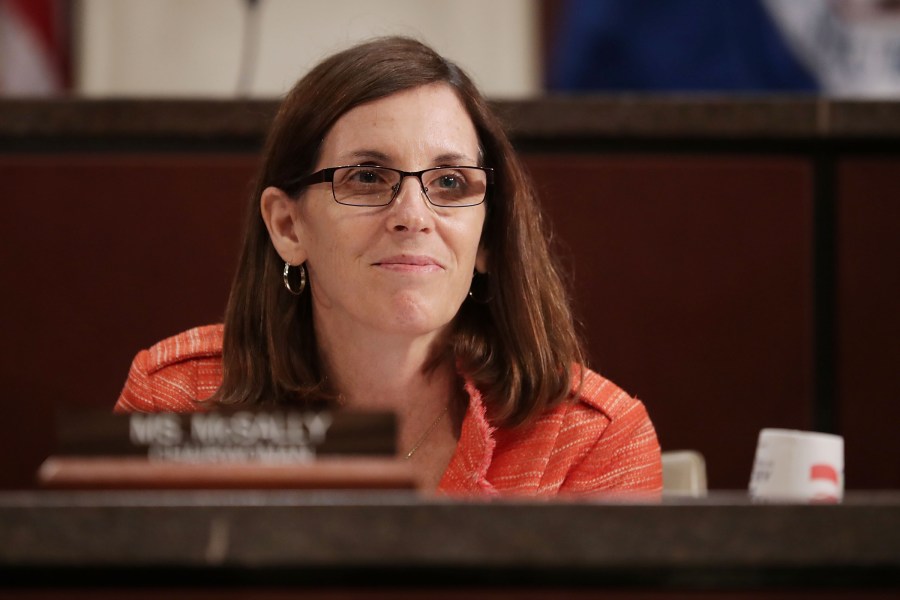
{"x": 798, "y": 466}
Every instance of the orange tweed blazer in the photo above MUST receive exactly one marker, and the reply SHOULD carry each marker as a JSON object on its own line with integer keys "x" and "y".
{"x": 601, "y": 441}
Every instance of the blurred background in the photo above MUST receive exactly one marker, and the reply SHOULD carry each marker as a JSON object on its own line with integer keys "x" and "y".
{"x": 514, "y": 48}
{"x": 222, "y": 49}
{"x": 721, "y": 179}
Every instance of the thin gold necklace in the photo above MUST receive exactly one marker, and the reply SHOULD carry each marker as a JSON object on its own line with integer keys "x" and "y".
{"x": 427, "y": 433}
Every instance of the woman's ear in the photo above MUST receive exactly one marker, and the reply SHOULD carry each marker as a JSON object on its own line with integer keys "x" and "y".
{"x": 279, "y": 212}
{"x": 481, "y": 260}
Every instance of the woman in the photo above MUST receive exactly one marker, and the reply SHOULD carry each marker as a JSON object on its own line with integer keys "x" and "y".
{"x": 394, "y": 259}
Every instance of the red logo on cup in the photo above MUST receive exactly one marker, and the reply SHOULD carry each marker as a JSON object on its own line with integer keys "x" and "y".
{"x": 823, "y": 472}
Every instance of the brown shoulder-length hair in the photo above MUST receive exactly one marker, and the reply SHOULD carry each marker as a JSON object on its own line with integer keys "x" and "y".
{"x": 518, "y": 346}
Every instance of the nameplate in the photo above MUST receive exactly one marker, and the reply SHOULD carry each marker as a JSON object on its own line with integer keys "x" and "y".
{"x": 228, "y": 436}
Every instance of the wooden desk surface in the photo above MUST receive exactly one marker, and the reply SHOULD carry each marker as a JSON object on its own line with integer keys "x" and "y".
{"x": 324, "y": 538}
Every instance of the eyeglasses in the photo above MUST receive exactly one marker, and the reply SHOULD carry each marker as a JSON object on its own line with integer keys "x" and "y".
{"x": 370, "y": 185}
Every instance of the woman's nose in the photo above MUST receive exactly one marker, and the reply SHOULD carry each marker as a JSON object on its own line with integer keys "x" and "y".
{"x": 410, "y": 210}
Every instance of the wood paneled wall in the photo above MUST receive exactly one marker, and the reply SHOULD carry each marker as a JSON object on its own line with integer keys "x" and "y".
{"x": 692, "y": 273}
{"x": 692, "y": 276}
{"x": 102, "y": 256}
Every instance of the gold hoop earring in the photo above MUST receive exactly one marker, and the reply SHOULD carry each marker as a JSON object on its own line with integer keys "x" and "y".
{"x": 479, "y": 289}
{"x": 287, "y": 282}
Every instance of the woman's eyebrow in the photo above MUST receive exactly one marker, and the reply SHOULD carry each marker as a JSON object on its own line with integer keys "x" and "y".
{"x": 360, "y": 156}
{"x": 452, "y": 158}
{"x": 376, "y": 156}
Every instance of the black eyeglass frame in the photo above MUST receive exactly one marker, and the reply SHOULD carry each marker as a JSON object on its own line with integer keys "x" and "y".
{"x": 326, "y": 175}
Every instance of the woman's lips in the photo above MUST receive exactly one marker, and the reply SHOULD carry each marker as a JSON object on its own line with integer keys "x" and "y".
{"x": 409, "y": 264}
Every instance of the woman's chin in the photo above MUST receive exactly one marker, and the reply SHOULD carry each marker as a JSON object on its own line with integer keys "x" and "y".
{"x": 417, "y": 316}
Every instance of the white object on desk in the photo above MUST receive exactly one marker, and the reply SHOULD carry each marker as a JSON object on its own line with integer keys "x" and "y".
{"x": 684, "y": 473}
{"x": 798, "y": 466}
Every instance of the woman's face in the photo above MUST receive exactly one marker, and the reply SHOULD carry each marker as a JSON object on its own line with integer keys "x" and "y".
{"x": 404, "y": 268}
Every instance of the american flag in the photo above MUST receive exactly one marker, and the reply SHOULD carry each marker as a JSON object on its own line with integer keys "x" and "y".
{"x": 35, "y": 58}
